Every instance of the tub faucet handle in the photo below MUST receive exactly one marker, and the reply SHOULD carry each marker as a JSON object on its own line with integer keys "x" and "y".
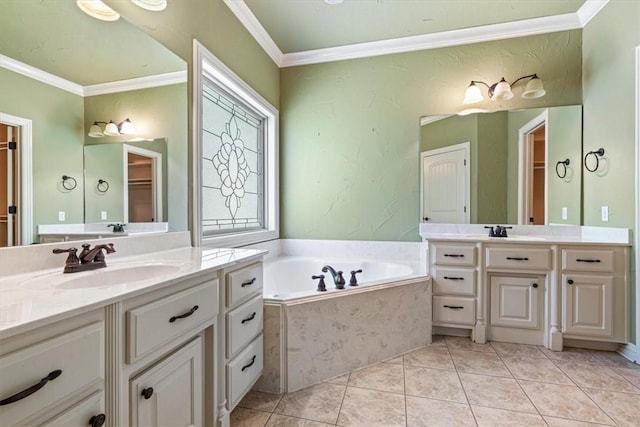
{"x": 353, "y": 281}
{"x": 339, "y": 280}
{"x": 321, "y": 286}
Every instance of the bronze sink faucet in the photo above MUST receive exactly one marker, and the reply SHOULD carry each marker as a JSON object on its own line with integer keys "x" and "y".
{"x": 89, "y": 259}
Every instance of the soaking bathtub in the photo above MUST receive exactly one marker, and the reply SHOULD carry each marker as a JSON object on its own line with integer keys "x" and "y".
{"x": 311, "y": 336}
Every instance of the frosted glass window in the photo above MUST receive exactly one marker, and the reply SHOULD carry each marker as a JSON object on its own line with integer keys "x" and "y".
{"x": 232, "y": 163}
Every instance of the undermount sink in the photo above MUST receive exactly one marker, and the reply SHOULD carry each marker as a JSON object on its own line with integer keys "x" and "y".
{"x": 118, "y": 274}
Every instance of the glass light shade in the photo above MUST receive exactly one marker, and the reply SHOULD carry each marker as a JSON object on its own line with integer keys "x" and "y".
{"x": 502, "y": 91}
{"x": 472, "y": 95}
{"x": 534, "y": 88}
{"x": 153, "y": 5}
{"x": 95, "y": 131}
{"x": 97, "y": 9}
{"x": 127, "y": 128}
{"x": 333, "y": 2}
{"x": 111, "y": 129}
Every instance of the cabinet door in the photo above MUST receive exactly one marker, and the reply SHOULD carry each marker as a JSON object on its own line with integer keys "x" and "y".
{"x": 89, "y": 412}
{"x": 587, "y": 304}
{"x": 171, "y": 392}
{"x": 515, "y": 301}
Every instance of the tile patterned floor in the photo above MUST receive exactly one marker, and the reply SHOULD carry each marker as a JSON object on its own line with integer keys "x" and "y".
{"x": 455, "y": 382}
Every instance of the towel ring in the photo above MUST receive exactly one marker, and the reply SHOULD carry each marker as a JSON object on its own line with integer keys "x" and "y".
{"x": 564, "y": 163}
{"x": 103, "y": 186}
{"x": 69, "y": 182}
{"x": 596, "y": 154}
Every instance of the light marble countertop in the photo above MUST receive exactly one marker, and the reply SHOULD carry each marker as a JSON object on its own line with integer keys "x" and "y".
{"x": 32, "y": 299}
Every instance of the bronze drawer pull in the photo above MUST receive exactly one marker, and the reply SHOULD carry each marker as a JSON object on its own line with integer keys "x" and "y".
{"x": 248, "y": 282}
{"x": 517, "y": 258}
{"x": 147, "y": 393}
{"x": 182, "y": 316}
{"x": 250, "y": 364}
{"x": 249, "y": 319}
{"x": 29, "y": 391}
{"x": 454, "y": 255}
{"x": 454, "y": 307}
{"x": 97, "y": 420}
{"x": 453, "y": 278}
{"x": 587, "y": 260}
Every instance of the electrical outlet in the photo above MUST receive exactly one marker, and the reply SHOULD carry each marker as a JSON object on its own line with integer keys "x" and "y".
{"x": 564, "y": 213}
{"x": 61, "y": 215}
{"x": 605, "y": 213}
{"x": 103, "y": 215}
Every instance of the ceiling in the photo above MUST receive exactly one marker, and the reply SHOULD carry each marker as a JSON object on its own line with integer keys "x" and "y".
{"x": 302, "y": 25}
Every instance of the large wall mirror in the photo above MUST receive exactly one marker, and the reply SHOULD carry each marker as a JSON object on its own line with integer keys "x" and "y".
{"x": 56, "y": 37}
{"x": 506, "y": 167}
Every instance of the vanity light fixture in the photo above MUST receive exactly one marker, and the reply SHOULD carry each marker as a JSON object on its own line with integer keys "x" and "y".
{"x": 97, "y": 9}
{"x": 501, "y": 91}
{"x": 126, "y": 127}
{"x": 153, "y": 5}
{"x": 333, "y": 2}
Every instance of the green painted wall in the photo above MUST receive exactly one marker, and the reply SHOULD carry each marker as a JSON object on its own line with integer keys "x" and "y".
{"x": 350, "y": 132}
{"x": 57, "y": 119}
{"x": 609, "y": 109}
{"x": 104, "y": 161}
{"x": 159, "y": 112}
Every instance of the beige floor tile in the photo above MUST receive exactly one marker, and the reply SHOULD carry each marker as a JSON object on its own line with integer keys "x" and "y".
{"x": 397, "y": 360}
{"x": 563, "y": 422}
{"x": 243, "y": 417}
{"x": 317, "y": 403}
{"x": 624, "y": 408}
{"x": 632, "y": 375}
{"x": 491, "y": 417}
{"x": 596, "y": 376}
{"x": 496, "y": 392}
{"x": 430, "y": 357}
{"x": 479, "y": 363}
{"x": 372, "y": 408}
{"x": 433, "y": 383}
{"x": 437, "y": 341}
{"x": 340, "y": 379}
{"x": 260, "y": 400}
{"x": 522, "y": 350}
{"x": 465, "y": 344}
{"x": 611, "y": 358}
{"x": 285, "y": 421}
{"x": 564, "y": 401}
{"x": 423, "y": 412}
{"x": 381, "y": 376}
{"x": 570, "y": 354}
{"x": 543, "y": 370}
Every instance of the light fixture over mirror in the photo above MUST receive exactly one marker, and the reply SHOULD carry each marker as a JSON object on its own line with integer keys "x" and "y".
{"x": 153, "y": 5}
{"x": 125, "y": 127}
{"x": 501, "y": 91}
{"x": 97, "y": 9}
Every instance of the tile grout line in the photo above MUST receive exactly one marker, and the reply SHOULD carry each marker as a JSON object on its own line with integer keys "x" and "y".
{"x": 463, "y": 390}
{"x": 344, "y": 396}
{"x": 404, "y": 387}
{"x": 521, "y": 388}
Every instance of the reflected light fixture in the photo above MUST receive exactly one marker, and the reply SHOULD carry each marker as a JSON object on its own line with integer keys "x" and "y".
{"x": 125, "y": 127}
{"x": 153, "y": 5}
{"x": 97, "y": 9}
{"x": 501, "y": 91}
{"x": 333, "y": 2}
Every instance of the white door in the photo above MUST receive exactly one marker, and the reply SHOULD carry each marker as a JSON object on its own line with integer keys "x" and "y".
{"x": 445, "y": 185}
{"x": 588, "y": 304}
{"x": 515, "y": 301}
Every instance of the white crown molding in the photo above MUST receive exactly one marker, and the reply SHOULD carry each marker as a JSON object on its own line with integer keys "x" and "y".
{"x": 255, "y": 28}
{"x": 425, "y": 120}
{"x": 157, "y": 80}
{"x": 37, "y": 74}
{"x": 589, "y": 9}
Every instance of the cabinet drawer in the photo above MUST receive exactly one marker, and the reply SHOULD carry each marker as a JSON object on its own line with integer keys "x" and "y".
{"x": 78, "y": 357}
{"x": 80, "y": 414}
{"x": 587, "y": 260}
{"x": 538, "y": 259}
{"x": 454, "y": 310}
{"x": 457, "y": 281}
{"x": 243, "y": 371}
{"x": 152, "y": 325}
{"x": 454, "y": 254}
{"x": 243, "y": 283}
{"x": 243, "y": 324}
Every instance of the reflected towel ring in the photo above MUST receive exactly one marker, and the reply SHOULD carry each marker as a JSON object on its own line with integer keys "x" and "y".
{"x": 596, "y": 154}
{"x": 69, "y": 185}
{"x": 565, "y": 163}
{"x": 103, "y": 186}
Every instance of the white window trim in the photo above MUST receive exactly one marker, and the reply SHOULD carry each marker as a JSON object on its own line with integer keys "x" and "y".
{"x": 205, "y": 63}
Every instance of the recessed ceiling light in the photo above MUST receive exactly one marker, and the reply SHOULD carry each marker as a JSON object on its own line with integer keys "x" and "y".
{"x": 154, "y": 5}
{"x": 97, "y": 9}
{"x": 333, "y": 2}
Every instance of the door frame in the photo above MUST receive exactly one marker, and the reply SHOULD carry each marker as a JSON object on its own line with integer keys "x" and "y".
{"x": 525, "y": 166}
{"x": 156, "y": 164}
{"x": 466, "y": 146}
{"x": 636, "y": 247}
{"x": 26, "y": 173}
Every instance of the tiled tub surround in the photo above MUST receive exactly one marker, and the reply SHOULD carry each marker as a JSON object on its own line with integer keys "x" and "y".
{"x": 311, "y": 336}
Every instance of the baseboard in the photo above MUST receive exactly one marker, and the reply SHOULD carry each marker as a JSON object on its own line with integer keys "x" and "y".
{"x": 455, "y": 332}
{"x": 590, "y": 345}
{"x": 629, "y": 351}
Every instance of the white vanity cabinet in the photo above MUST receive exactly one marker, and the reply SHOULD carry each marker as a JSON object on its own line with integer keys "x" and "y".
{"x": 516, "y": 302}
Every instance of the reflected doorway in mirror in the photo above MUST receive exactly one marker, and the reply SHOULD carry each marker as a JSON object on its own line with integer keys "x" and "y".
{"x": 143, "y": 181}
{"x": 533, "y": 155}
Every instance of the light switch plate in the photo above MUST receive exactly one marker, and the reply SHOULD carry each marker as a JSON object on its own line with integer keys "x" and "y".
{"x": 61, "y": 215}
{"x": 605, "y": 213}
{"x": 103, "y": 215}
{"x": 565, "y": 215}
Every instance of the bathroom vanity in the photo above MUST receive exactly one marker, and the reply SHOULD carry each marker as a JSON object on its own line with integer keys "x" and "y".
{"x": 165, "y": 334}
{"x": 546, "y": 285}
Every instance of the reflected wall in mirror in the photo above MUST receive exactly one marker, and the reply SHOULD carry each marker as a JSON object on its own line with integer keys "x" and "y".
{"x": 512, "y": 164}
{"x": 86, "y": 53}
